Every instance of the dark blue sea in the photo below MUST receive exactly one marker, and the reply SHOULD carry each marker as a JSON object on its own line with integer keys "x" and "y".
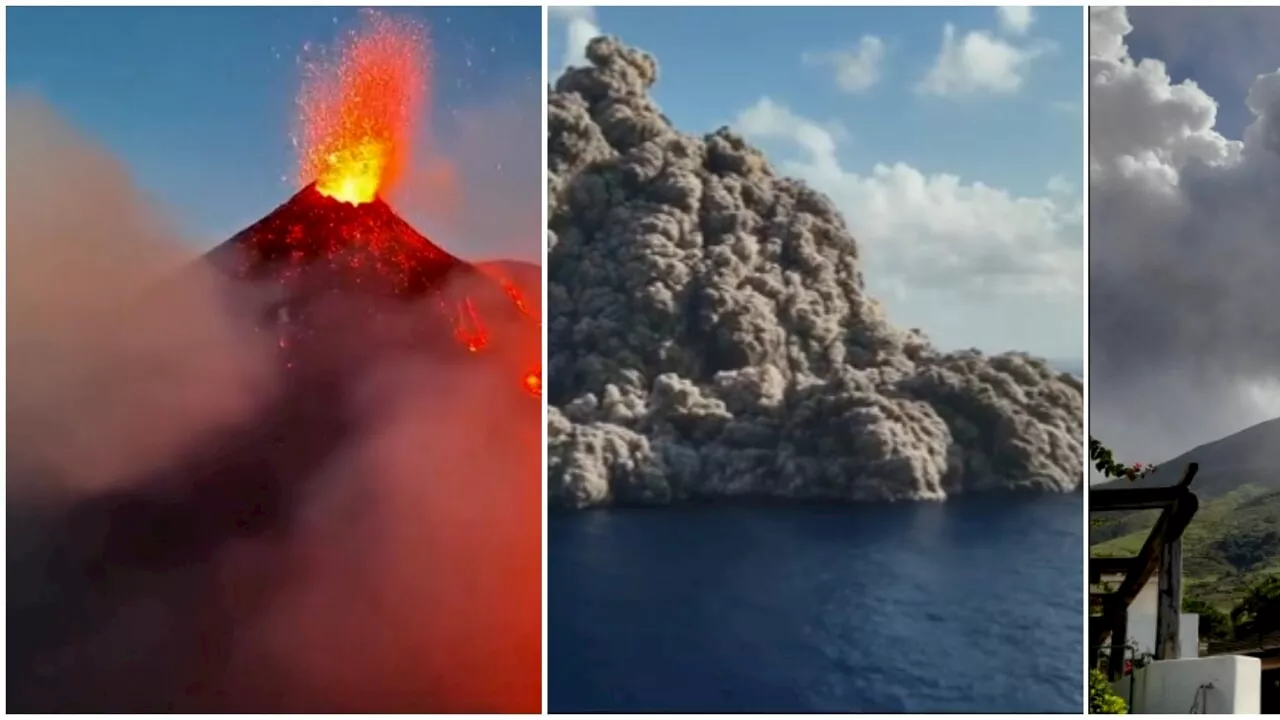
{"x": 973, "y": 605}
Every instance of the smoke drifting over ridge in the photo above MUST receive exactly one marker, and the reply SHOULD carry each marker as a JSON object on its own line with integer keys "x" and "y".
{"x": 468, "y": 186}
{"x": 1183, "y": 247}
{"x": 402, "y": 574}
{"x": 83, "y": 246}
{"x": 709, "y": 333}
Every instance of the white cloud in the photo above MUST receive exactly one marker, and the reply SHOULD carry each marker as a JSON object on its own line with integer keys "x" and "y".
{"x": 1015, "y": 19}
{"x": 1183, "y": 253}
{"x": 1059, "y": 186}
{"x": 580, "y": 28}
{"x": 961, "y": 243}
{"x": 767, "y": 119}
{"x": 977, "y": 63}
{"x": 856, "y": 69}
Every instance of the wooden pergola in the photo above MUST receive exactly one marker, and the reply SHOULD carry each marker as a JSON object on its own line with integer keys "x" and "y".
{"x": 1161, "y": 552}
{"x": 1265, "y": 647}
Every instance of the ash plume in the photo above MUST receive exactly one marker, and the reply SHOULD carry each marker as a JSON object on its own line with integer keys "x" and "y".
{"x": 469, "y": 182}
{"x": 1182, "y": 237}
{"x": 709, "y": 333}
{"x": 161, "y": 557}
{"x": 93, "y": 366}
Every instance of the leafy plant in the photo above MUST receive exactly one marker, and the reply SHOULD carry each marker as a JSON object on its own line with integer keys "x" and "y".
{"x": 1135, "y": 658}
{"x": 1105, "y": 462}
{"x": 1103, "y": 700}
{"x": 1214, "y": 624}
{"x": 1258, "y": 612}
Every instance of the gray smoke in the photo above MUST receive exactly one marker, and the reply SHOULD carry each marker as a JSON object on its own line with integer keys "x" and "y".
{"x": 1183, "y": 249}
{"x": 709, "y": 333}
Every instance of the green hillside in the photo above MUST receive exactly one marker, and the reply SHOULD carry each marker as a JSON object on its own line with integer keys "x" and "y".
{"x": 1233, "y": 541}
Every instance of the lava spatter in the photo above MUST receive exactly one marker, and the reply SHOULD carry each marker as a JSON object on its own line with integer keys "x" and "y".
{"x": 533, "y": 382}
{"x": 359, "y": 109}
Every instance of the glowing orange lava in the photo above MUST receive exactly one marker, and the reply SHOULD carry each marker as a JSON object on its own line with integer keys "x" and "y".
{"x": 513, "y": 292}
{"x": 533, "y": 382}
{"x": 359, "y": 108}
{"x": 532, "y": 379}
{"x": 468, "y": 328}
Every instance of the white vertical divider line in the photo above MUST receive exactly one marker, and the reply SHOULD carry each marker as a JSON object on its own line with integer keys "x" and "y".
{"x": 543, "y": 321}
{"x": 1084, "y": 452}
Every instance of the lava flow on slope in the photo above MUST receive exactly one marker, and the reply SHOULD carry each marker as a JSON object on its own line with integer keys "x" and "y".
{"x": 364, "y": 246}
{"x": 317, "y": 249}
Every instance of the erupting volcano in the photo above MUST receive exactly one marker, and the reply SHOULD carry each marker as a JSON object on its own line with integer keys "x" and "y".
{"x": 350, "y": 285}
{"x": 358, "y": 110}
{"x": 306, "y": 464}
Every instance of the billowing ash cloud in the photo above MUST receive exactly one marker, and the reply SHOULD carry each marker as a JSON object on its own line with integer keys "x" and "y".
{"x": 709, "y": 333}
{"x": 1183, "y": 254}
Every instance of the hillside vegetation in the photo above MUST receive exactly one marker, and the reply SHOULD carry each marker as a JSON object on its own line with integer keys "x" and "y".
{"x": 1234, "y": 540}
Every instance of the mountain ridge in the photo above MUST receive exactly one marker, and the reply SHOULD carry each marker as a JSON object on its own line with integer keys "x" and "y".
{"x": 1234, "y": 539}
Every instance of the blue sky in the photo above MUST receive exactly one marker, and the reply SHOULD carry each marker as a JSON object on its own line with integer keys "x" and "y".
{"x": 993, "y": 145}
{"x": 198, "y": 103}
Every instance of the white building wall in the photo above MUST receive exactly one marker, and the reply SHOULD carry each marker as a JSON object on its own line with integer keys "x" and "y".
{"x": 1220, "y": 685}
{"x": 1142, "y": 630}
{"x": 1142, "y": 623}
{"x": 1148, "y": 598}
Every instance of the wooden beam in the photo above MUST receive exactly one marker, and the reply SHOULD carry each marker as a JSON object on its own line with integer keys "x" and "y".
{"x": 1188, "y": 475}
{"x": 1100, "y": 566}
{"x": 1097, "y": 634}
{"x": 1117, "y": 614}
{"x": 1169, "y": 526}
{"x": 1257, "y": 646}
{"x": 1144, "y": 498}
{"x": 1112, "y": 565}
{"x": 1169, "y": 602}
{"x": 1123, "y": 499}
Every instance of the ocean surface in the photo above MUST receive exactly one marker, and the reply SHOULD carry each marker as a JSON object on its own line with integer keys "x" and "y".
{"x": 974, "y": 605}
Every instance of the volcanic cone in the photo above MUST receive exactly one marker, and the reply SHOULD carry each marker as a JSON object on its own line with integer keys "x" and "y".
{"x": 364, "y": 246}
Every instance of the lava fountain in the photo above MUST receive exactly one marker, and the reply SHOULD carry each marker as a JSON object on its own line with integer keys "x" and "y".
{"x": 359, "y": 107}
{"x": 358, "y": 110}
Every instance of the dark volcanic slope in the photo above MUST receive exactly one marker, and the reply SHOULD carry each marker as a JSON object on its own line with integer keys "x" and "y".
{"x": 328, "y": 262}
{"x": 1251, "y": 456}
{"x": 341, "y": 282}
{"x": 709, "y": 333}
